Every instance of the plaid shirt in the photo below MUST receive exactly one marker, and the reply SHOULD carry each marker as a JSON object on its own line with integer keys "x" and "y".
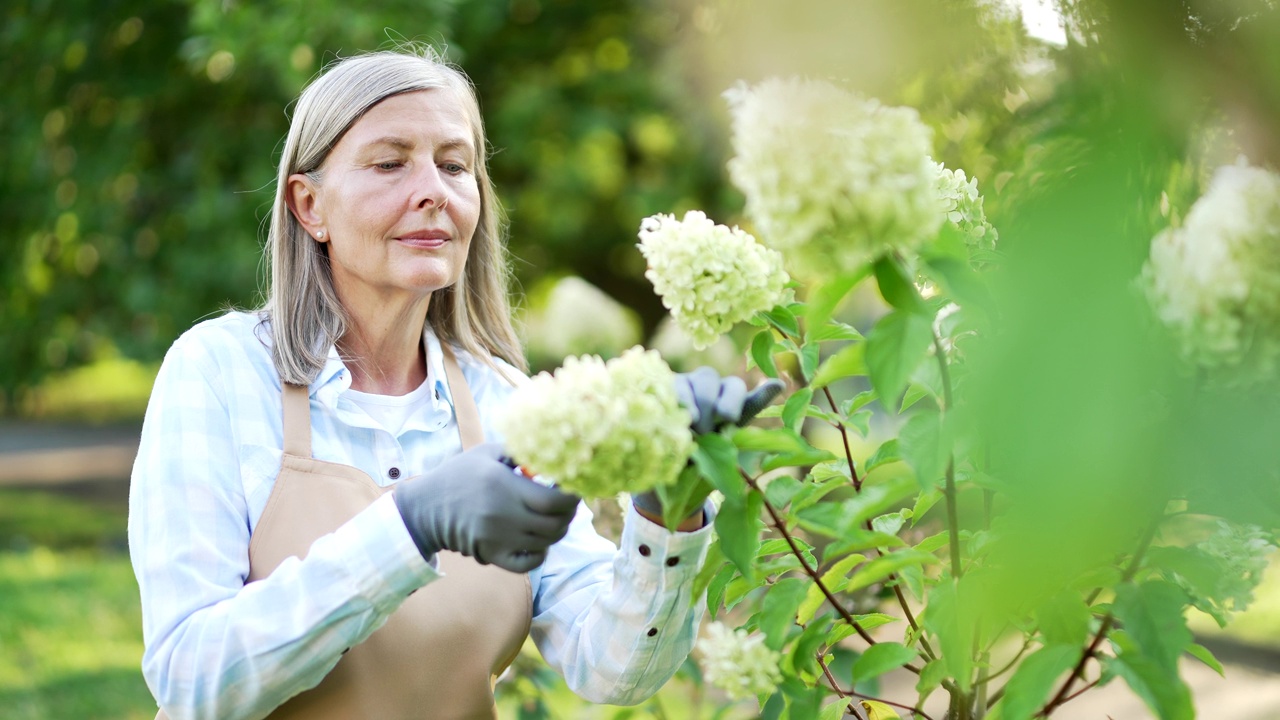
{"x": 209, "y": 456}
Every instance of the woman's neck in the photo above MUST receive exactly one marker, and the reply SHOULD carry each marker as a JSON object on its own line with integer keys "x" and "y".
{"x": 383, "y": 346}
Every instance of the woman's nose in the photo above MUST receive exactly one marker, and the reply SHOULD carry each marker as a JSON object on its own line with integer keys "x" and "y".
{"x": 429, "y": 189}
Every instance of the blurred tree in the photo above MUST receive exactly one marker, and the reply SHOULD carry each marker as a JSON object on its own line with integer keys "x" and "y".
{"x": 137, "y": 142}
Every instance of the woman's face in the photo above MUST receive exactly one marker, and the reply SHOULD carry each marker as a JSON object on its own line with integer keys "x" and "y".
{"x": 397, "y": 200}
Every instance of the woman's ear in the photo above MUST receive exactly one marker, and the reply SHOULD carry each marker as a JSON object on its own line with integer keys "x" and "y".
{"x": 303, "y": 196}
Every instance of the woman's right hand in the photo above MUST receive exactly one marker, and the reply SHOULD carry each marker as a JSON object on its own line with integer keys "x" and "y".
{"x": 475, "y": 504}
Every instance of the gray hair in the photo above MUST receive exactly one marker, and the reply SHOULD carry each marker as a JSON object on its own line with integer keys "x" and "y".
{"x": 304, "y": 313}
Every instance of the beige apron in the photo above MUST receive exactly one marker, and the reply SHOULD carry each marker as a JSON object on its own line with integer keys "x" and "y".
{"x": 439, "y": 653}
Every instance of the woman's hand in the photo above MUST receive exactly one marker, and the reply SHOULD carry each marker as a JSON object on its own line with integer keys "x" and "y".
{"x": 475, "y": 504}
{"x": 712, "y": 402}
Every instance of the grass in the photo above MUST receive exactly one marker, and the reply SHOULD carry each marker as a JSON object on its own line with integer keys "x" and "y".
{"x": 70, "y": 627}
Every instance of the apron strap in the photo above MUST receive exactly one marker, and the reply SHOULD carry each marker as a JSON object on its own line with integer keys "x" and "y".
{"x": 464, "y": 406}
{"x": 297, "y": 420}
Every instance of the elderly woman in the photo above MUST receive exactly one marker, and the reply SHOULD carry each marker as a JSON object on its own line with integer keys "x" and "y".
{"x": 318, "y": 525}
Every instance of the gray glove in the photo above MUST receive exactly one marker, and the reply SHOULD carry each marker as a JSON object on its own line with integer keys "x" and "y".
{"x": 477, "y": 505}
{"x": 714, "y": 402}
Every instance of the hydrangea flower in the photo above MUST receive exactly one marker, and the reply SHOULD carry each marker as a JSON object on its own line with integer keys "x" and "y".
{"x": 579, "y": 318}
{"x": 709, "y": 276}
{"x": 738, "y": 663}
{"x": 831, "y": 179}
{"x": 600, "y": 428}
{"x": 1242, "y": 554}
{"x": 1215, "y": 281}
{"x": 962, "y": 206}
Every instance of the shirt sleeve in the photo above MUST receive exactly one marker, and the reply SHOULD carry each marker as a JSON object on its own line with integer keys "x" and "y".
{"x": 618, "y": 622}
{"x": 216, "y": 647}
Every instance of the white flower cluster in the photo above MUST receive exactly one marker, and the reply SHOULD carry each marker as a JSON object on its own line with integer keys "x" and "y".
{"x": 831, "y": 179}
{"x": 579, "y": 318}
{"x": 709, "y": 276}
{"x": 600, "y": 428}
{"x": 1242, "y": 553}
{"x": 738, "y": 663}
{"x": 1215, "y": 281}
{"x": 962, "y": 206}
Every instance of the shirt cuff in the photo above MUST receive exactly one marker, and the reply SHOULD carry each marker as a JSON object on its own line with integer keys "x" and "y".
{"x": 659, "y": 556}
{"x": 384, "y": 563}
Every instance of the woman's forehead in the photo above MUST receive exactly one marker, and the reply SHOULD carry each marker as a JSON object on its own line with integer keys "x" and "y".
{"x": 435, "y": 116}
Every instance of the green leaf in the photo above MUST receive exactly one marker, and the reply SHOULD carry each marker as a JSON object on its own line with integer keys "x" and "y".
{"x": 832, "y": 330}
{"x": 948, "y": 616}
{"x": 813, "y": 492}
{"x": 1202, "y": 654}
{"x": 861, "y": 421}
{"x": 717, "y": 459}
{"x": 804, "y": 654}
{"x": 711, "y": 568}
{"x": 931, "y": 677}
{"x": 890, "y": 523}
{"x": 924, "y": 502}
{"x": 923, "y": 446}
{"x": 958, "y": 281}
{"x": 886, "y": 453}
{"x": 782, "y": 318}
{"x": 1151, "y": 614}
{"x": 762, "y": 348}
{"x": 868, "y": 622}
{"x": 832, "y": 578}
{"x": 781, "y": 489}
{"x": 880, "y": 659}
{"x": 823, "y": 299}
{"x": 857, "y": 539}
{"x": 800, "y": 458}
{"x": 1164, "y": 692}
{"x": 768, "y": 439}
{"x": 778, "y": 610}
{"x": 683, "y": 498}
{"x": 717, "y": 586}
{"x": 885, "y": 565}
{"x": 1034, "y": 679}
{"x": 808, "y": 357}
{"x": 793, "y": 411}
{"x": 858, "y": 401}
{"x": 834, "y": 711}
{"x": 739, "y": 529}
{"x": 913, "y": 395}
{"x": 895, "y": 347}
{"x": 846, "y": 362}
{"x": 1064, "y": 620}
{"x": 896, "y": 288}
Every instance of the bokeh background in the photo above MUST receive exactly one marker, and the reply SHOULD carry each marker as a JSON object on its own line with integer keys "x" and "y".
{"x": 137, "y": 144}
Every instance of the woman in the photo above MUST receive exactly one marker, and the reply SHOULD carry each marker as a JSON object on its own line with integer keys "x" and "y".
{"x": 302, "y": 489}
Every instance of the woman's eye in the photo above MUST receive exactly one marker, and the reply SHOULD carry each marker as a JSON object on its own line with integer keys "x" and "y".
{"x": 389, "y": 165}
{"x": 454, "y": 168}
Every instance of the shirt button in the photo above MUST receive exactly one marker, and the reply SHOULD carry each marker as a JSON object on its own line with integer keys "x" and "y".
{"x": 394, "y": 473}
{"x": 652, "y": 632}
{"x": 644, "y": 550}
{"x": 673, "y": 561}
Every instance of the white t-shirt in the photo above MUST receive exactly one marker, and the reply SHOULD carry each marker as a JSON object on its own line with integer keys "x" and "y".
{"x": 392, "y": 411}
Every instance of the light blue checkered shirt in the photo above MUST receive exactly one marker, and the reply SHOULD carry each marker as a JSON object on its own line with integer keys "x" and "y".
{"x": 210, "y": 453}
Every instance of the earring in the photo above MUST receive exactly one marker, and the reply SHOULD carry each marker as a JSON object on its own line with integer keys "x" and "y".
{"x": 320, "y": 235}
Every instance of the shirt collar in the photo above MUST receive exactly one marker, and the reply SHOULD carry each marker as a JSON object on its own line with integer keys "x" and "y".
{"x": 334, "y": 378}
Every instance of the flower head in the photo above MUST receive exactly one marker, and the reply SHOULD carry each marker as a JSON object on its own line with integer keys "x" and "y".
{"x": 600, "y": 428}
{"x": 831, "y": 179}
{"x": 962, "y": 206}
{"x": 1215, "y": 281}
{"x": 578, "y": 318}
{"x": 1241, "y": 553}
{"x": 709, "y": 276}
{"x": 738, "y": 663}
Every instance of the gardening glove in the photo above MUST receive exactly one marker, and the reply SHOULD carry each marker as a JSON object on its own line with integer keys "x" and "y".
{"x": 476, "y": 504}
{"x": 714, "y": 402}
